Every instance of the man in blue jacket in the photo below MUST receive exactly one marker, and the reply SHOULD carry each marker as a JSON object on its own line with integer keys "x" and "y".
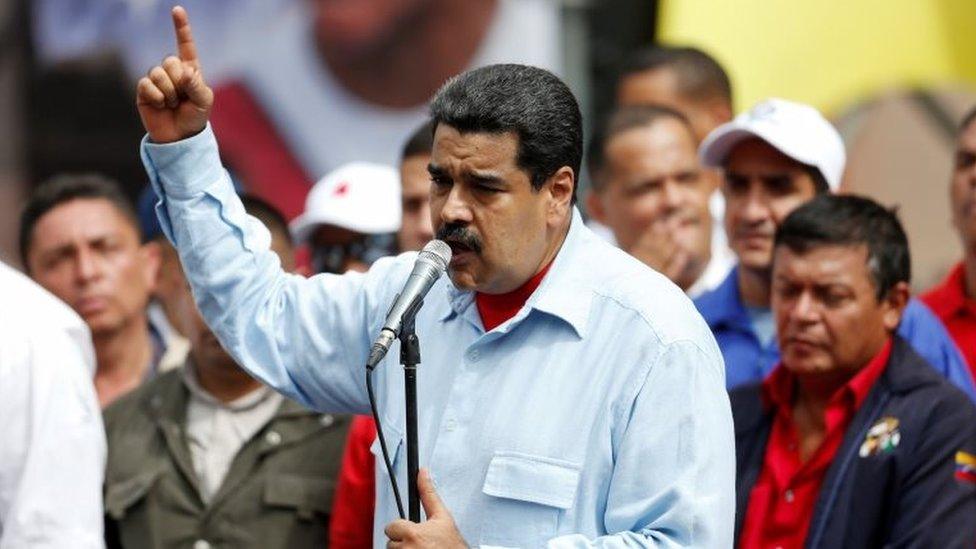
{"x": 852, "y": 442}
{"x": 776, "y": 157}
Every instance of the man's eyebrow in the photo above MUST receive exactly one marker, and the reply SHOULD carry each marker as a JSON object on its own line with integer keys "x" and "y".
{"x": 486, "y": 178}
{"x": 59, "y": 250}
{"x": 435, "y": 170}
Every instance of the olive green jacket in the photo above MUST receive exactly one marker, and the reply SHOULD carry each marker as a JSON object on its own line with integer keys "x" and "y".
{"x": 277, "y": 492}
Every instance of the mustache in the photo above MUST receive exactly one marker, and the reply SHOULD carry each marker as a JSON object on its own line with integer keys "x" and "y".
{"x": 459, "y": 234}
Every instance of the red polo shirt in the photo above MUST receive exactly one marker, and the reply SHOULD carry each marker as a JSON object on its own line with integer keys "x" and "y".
{"x": 781, "y": 503}
{"x": 355, "y": 497}
{"x": 957, "y": 311}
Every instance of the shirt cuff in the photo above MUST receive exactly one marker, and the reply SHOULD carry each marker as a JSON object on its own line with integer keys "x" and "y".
{"x": 184, "y": 168}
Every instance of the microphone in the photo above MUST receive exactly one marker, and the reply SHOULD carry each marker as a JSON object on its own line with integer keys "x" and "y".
{"x": 431, "y": 264}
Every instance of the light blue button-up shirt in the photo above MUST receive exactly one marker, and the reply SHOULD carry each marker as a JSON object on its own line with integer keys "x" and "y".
{"x": 596, "y": 416}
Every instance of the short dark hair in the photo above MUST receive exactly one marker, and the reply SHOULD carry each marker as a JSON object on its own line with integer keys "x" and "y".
{"x": 967, "y": 119}
{"x": 64, "y": 188}
{"x": 623, "y": 119}
{"x": 531, "y": 102}
{"x": 700, "y": 77}
{"x": 267, "y": 214}
{"x": 421, "y": 141}
{"x": 851, "y": 220}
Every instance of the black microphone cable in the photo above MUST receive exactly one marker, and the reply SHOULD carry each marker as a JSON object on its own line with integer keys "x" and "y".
{"x": 379, "y": 433}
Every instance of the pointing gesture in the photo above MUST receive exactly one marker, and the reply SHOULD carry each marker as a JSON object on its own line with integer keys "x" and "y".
{"x": 173, "y": 100}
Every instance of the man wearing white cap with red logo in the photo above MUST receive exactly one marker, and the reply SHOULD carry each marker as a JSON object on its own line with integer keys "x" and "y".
{"x": 350, "y": 217}
{"x": 777, "y": 156}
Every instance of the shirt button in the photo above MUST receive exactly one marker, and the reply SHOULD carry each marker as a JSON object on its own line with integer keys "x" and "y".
{"x": 327, "y": 420}
{"x": 788, "y": 496}
{"x": 475, "y": 355}
{"x": 272, "y": 438}
{"x": 201, "y": 544}
{"x": 450, "y": 425}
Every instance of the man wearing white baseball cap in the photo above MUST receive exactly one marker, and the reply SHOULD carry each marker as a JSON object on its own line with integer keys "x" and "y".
{"x": 350, "y": 217}
{"x": 776, "y": 157}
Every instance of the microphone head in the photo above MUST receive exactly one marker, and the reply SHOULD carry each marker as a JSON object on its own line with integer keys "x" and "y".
{"x": 438, "y": 253}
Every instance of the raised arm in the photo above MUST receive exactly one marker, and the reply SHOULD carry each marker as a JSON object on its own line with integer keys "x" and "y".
{"x": 306, "y": 338}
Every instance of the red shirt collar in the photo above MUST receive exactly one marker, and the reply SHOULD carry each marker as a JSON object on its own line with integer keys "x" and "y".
{"x": 497, "y": 308}
{"x": 778, "y": 388}
{"x": 950, "y": 297}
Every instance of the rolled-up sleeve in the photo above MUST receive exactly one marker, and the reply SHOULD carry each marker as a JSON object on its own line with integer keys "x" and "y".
{"x": 307, "y": 338}
{"x": 673, "y": 484}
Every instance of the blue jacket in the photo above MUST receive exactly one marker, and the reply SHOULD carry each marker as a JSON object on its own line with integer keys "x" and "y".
{"x": 897, "y": 489}
{"x": 747, "y": 361}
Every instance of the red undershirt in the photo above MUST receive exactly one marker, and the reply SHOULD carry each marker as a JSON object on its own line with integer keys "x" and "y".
{"x": 497, "y": 308}
{"x": 352, "y": 513}
{"x": 782, "y": 501}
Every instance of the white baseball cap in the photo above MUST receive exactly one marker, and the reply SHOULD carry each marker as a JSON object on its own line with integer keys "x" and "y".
{"x": 799, "y": 131}
{"x": 358, "y": 196}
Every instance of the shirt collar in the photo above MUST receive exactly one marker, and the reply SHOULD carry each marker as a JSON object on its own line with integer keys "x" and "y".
{"x": 777, "y": 389}
{"x": 565, "y": 292}
{"x": 949, "y": 297}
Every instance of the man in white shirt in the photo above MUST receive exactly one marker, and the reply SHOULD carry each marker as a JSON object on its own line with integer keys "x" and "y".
{"x": 52, "y": 446}
{"x": 651, "y": 191}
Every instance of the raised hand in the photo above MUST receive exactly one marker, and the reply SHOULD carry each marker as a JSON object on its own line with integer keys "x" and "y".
{"x": 173, "y": 99}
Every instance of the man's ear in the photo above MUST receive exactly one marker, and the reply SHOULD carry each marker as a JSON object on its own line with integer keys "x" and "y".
{"x": 719, "y": 111}
{"x": 151, "y": 257}
{"x": 594, "y": 207}
{"x": 560, "y": 186}
{"x": 895, "y": 303}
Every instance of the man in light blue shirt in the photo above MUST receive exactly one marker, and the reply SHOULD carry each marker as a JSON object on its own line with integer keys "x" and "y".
{"x": 595, "y": 416}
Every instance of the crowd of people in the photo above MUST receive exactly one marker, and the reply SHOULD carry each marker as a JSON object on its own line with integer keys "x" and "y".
{"x": 727, "y": 352}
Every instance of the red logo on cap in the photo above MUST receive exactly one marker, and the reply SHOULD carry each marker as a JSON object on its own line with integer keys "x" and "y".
{"x": 341, "y": 189}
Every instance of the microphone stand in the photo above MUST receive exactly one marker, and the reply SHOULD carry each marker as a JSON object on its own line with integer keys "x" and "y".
{"x": 410, "y": 358}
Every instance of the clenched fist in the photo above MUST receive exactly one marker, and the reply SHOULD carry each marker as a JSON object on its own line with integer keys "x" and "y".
{"x": 173, "y": 100}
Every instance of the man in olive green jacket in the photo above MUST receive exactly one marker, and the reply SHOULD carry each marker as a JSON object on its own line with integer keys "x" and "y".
{"x": 205, "y": 456}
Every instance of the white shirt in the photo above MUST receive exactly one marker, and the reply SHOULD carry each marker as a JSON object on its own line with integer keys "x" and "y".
{"x": 52, "y": 443}
{"x": 216, "y": 431}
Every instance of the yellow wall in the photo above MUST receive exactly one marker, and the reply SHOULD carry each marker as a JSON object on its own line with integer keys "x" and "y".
{"x": 828, "y": 53}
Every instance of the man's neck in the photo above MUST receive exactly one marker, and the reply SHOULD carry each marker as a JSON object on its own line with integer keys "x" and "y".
{"x": 754, "y": 287}
{"x": 441, "y": 43}
{"x": 123, "y": 357}
{"x": 225, "y": 384}
{"x": 812, "y": 395}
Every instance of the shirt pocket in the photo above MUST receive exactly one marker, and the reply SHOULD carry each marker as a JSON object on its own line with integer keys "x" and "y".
{"x": 527, "y": 494}
{"x": 308, "y": 498}
{"x": 394, "y": 444}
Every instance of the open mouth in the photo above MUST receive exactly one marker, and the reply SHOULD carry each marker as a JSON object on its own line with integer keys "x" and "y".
{"x": 459, "y": 249}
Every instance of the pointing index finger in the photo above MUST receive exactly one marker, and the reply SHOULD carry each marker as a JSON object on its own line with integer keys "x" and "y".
{"x": 184, "y": 36}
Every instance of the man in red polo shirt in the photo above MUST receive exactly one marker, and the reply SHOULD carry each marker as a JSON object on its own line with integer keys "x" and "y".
{"x": 854, "y": 441}
{"x": 954, "y": 300}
